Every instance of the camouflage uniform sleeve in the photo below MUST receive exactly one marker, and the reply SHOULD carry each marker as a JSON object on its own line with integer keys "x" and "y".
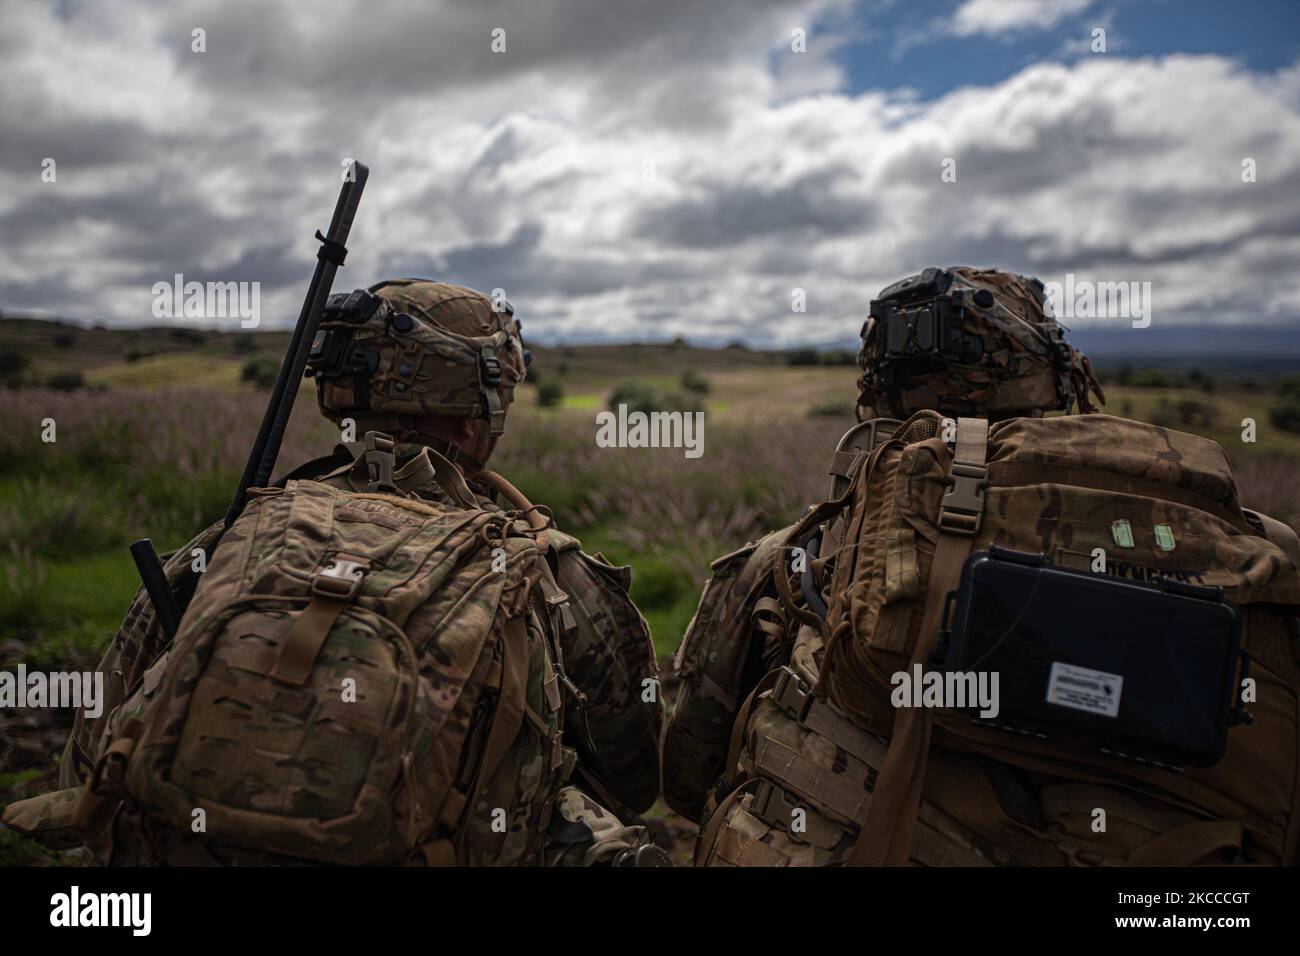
{"x": 719, "y": 662}
{"x": 584, "y": 833}
{"x": 616, "y": 723}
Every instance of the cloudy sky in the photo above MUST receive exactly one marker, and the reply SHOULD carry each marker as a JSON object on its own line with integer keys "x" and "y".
{"x": 658, "y": 168}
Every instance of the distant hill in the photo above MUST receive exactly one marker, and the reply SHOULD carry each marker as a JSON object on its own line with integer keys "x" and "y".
{"x": 56, "y": 345}
{"x": 1259, "y": 348}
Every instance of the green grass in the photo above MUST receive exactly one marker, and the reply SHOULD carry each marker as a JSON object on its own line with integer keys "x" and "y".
{"x": 170, "y": 370}
{"x": 78, "y": 608}
{"x": 158, "y": 450}
{"x": 588, "y": 401}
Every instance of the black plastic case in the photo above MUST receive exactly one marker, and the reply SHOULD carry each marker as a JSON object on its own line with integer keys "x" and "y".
{"x": 1144, "y": 670}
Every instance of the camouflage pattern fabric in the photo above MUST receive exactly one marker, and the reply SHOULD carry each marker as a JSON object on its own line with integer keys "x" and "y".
{"x": 614, "y": 717}
{"x": 720, "y": 659}
{"x": 1062, "y": 487}
{"x": 609, "y": 660}
{"x": 1024, "y": 364}
{"x": 431, "y": 348}
{"x": 731, "y": 642}
{"x": 583, "y": 833}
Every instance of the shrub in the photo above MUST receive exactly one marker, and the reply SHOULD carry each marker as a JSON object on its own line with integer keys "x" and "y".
{"x": 1195, "y": 413}
{"x": 641, "y": 396}
{"x": 1286, "y": 414}
{"x": 12, "y": 364}
{"x": 549, "y": 394}
{"x": 243, "y": 344}
{"x": 66, "y": 381}
{"x": 137, "y": 352}
{"x": 636, "y": 395}
{"x": 65, "y": 340}
{"x": 261, "y": 370}
{"x": 693, "y": 381}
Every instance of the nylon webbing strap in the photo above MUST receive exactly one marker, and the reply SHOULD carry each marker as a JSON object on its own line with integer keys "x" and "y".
{"x": 450, "y": 478}
{"x": 331, "y": 590}
{"x": 741, "y": 724}
{"x": 886, "y": 835}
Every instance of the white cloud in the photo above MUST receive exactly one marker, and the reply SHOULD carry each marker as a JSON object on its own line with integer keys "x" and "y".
{"x": 531, "y": 171}
{"x": 994, "y": 17}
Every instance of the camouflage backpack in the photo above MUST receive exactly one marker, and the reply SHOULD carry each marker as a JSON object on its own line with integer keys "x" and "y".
{"x": 918, "y": 505}
{"x": 360, "y": 678}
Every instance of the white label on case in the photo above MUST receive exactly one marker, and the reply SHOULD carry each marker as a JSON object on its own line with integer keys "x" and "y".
{"x": 1094, "y": 692}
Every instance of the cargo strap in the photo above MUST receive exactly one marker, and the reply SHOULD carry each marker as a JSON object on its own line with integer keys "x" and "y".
{"x": 886, "y": 833}
{"x": 731, "y": 766}
{"x": 98, "y": 799}
{"x": 332, "y": 589}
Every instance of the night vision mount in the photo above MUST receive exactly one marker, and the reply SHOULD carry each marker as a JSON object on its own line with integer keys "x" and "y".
{"x": 918, "y": 318}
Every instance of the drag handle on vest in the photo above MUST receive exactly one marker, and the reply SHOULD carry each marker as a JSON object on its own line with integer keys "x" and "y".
{"x": 330, "y": 255}
{"x": 165, "y": 609}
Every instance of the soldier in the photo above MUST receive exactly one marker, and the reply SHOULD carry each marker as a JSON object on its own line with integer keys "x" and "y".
{"x": 782, "y": 744}
{"x": 740, "y": 632}
{"x": 426, "y": 371}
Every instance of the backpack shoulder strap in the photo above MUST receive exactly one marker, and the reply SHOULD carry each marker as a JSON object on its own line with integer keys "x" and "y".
{"x": 885, "y": 838}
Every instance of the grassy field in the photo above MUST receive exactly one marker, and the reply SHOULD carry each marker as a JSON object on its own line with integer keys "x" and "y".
{"x": 153, "y": 445}
{"x": 153, "y": 440}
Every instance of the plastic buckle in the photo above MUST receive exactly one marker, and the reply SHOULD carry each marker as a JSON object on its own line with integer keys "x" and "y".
{"x": 791, "y": 694}
{"x": 962, "y": 509}
{"x": 773, "y": 805}
{"x": 340, "y": 579}
{"x": 376, "y": 463}
{"x": 491, "y": 369}
{"x": 562, "y": 613}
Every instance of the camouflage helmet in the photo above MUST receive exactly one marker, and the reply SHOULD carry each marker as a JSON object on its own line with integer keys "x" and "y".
{"x": 409, "y": 348}
{"x": 967, "y": 341}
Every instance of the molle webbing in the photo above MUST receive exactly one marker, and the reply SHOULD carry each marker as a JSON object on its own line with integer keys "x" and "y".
{"x": 779, "y": 780}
